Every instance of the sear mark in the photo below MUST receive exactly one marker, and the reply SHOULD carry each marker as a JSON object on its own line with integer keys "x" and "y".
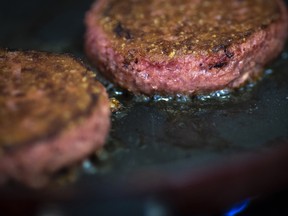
{"x": 120, "y": 31}
{"x": 228, "y": 53}
{"x": 217, "y": 48}
{"x": 126, "y": 63}
{"x": 223, "y": 47}
{"x": 218, "y": 65}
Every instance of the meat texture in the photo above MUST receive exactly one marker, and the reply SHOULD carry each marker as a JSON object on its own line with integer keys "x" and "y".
{"x": 53, "y": 113}
{"x": 188, "y": 47}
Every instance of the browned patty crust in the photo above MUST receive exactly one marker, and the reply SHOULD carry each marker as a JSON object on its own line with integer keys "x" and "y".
{"x": 188, "y": 46}
{"x": 53, "y": 113}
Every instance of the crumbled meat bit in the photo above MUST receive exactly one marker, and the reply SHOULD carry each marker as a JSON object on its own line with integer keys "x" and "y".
{"x": 115, "y": 105}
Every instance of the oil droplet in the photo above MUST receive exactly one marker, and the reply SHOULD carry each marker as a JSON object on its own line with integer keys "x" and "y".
{"x": 88, "y": 167}
{"x": 268, "y": 71}
{"x": 182, "y": 98}
{"x": 162, "y": 98}
{"x": 141, "y": 98}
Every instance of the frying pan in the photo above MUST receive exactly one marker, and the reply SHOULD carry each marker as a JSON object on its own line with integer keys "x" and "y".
{"x": 202, "y": 154}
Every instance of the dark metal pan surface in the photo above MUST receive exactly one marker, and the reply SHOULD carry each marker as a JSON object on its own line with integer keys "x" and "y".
{"x": 206, "y": 144}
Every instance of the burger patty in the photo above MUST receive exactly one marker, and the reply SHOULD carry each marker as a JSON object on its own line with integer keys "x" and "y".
{"x": 188, "y": 47}
{"x": 53, "y": 113}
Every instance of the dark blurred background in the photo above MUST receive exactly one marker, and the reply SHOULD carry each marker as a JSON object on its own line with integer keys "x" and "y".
{"x": 55, "y": 26}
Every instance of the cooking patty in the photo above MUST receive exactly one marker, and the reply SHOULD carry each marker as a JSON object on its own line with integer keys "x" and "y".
{"x": 188, "y": 47}
{"x": 53, "y": 113}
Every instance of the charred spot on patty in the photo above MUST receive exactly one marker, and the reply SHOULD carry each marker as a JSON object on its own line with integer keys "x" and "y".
{"x": 228, "y": 53}
{"x": 126, "y": 63}
{"x": 122, "y": 32}
{"x": 219, "y": 47}
{"x": 218, "y": 65}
